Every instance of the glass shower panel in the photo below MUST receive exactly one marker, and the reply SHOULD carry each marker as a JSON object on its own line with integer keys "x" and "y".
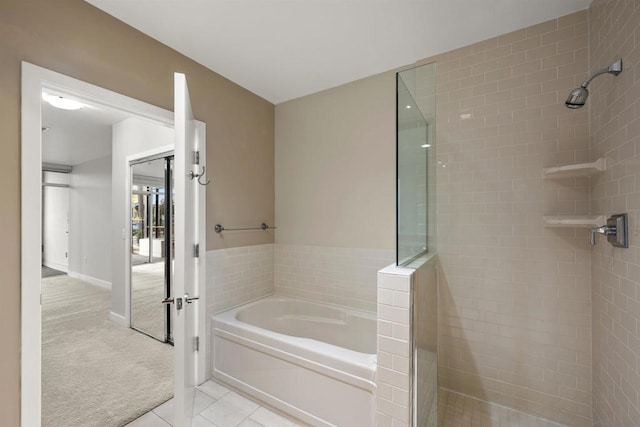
{"x": 416, "y": 166}
{"x": 413, "y": 147}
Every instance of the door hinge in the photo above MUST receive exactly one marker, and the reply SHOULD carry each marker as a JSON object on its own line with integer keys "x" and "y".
{"x": 196, "y": 343}
{"x": 196, "y": 157}
{"x": 196, "y": 250}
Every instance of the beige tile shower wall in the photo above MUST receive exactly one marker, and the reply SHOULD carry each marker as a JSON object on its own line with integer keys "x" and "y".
{"x": 515, "y": 315}
{"x": 615, "y": 125}
{"x": 345, "y": 276}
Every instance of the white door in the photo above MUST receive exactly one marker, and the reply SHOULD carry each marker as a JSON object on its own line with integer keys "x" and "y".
{"x": 186, "y": 264}
{"x": 55, "y": 227}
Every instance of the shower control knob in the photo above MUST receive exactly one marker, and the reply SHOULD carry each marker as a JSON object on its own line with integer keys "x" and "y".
{"x": 616, "y": 231}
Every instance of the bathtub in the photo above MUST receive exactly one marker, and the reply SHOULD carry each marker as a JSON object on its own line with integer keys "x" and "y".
{"x": 313, "y": 361}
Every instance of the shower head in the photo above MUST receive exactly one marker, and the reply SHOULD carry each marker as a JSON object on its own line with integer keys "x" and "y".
{"x": 578, "y": 96}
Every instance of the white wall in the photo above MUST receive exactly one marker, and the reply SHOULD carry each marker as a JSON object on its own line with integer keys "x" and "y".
{"x": 130, "y": 136}
{"x": 55, "y": 221}
{"x": 90, "y": 219}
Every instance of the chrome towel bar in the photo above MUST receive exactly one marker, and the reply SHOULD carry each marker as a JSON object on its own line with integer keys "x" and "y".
{"x": 264, "y": 226}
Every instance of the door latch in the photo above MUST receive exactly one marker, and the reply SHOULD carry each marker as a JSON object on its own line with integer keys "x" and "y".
{"x": 180, "y": 301}
{"x": 177, "y": 301}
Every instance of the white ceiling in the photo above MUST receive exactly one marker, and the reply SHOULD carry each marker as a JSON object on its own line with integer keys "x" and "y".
{"x": 284, "y": 49}
{"x": 75, "y": 137}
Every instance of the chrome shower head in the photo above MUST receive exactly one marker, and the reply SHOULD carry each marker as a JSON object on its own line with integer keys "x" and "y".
{"x": 578, "y": 96}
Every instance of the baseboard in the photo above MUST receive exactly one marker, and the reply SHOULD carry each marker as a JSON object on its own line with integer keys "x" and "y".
{"x": 116, "y": 318}
{"x": 91, "y": 280}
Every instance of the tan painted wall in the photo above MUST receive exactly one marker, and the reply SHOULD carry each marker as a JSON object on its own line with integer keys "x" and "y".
{"x": 615, "y": 134}
{"x": 335, "y": 170}
{"x": 74, "y": 38}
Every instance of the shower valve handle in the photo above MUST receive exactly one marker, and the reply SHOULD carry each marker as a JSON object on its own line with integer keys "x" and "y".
{"x": 604, "y": 230}
{"x": 616, "y": 230}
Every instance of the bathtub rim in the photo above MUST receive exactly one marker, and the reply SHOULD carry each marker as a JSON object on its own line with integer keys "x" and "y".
{"x": 359, "y": 311}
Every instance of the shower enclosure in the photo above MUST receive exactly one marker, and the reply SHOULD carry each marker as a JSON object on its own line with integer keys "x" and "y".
{"x": 415, "y": 232}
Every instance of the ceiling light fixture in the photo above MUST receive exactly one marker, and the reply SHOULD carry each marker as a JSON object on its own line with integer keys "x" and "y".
{"x": 425, "y": 145}
{"x": 61, "y": 102}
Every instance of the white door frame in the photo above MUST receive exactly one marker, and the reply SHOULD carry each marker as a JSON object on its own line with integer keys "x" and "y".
{"x": 34, "y": 80}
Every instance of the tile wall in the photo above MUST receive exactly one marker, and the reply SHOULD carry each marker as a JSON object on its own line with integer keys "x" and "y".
{"x": 515, "y": 298}
{"x": 238, "y": 275}
{"x": 344, "y": 276}
{"x": 394, "y": 347}
{"x": 614, "y": 106}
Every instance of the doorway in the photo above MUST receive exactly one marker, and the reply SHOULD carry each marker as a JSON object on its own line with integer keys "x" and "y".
{"x": 34, "y": 80}
{"x": 152, "y": 245}
{"x": 129, "y": 372}
{"x": 55, "y": 222}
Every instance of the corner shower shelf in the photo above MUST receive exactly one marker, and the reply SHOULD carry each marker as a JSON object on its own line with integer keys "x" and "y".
{"x": 577, "y": 170}
{"x": 574, "y": 221}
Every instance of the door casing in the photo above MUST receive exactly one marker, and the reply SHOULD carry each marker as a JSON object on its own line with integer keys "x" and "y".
{"x": 34, "y": 80}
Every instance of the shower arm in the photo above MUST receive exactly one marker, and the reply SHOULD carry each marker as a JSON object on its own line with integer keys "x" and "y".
{"x": 615, "y": 69}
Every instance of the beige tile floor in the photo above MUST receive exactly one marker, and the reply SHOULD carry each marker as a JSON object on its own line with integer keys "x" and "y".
{"x": 217, "y": 406}
{"x": 457, "y": 410}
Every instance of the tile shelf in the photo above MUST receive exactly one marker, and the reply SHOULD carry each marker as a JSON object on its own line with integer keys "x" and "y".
{"x": 574, "y": 221}
{"x": 575, "y": 170}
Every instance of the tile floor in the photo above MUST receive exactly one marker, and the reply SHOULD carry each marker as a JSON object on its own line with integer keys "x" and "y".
{"x": 457, "y": 410}
{"x": 217, "y": 406}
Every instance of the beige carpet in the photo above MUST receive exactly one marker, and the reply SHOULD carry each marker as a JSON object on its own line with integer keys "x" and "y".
{"x": 94, "y": 372}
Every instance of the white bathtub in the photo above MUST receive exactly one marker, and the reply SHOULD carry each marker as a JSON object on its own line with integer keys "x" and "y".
{"x": 315, "y": 362}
